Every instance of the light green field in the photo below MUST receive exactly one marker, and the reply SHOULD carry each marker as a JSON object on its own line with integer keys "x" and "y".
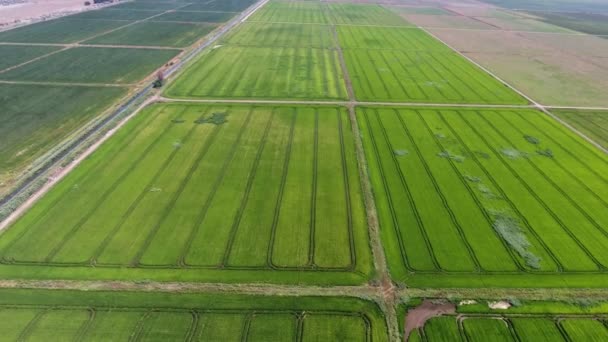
{"x": 120, "y": 316}
{"x": 155, "y": 34}
{"x": 526, "y": 328}
{"x": 92, "y": 65}
{"x": 292, "y": 12}
{"x": 359, "y": 14}
{"x": 271, "y": 194}
{"x": 493, "y": 195}
{"x": 593, "y": 124}
{"x": 281, "y": 35}
{"x": 261, "y": 72}
{"x": 388, "y": 38}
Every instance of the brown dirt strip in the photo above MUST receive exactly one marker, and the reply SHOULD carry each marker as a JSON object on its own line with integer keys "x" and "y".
{"x": 187, "y": 287}
{"x": 417, "y": 317}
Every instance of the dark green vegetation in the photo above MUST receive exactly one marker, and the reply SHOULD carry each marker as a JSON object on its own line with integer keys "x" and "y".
{"x": 593, "y": 124}
{"x": 92, "y": 65}
{"x": 220, "y": 5}
{"x": 34, "y": 117}
{"x": 592, "y": 23}
{"x": 196, "y": 17}
{"x": 248, "y": 72}
{"x": 119, "y": 316}
{"x": 155, "y": 34}
{"x": 65, "y": 30}
{"x": 275, "y": 209}
{"x": 514, "y": 195}
{"x": 15, "y": 54}
{"x": 116, "y": 14}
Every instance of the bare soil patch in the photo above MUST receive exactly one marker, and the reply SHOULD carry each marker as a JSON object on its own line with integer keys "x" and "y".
{"x": 416, "y": 318}
{"x": 33, "y": 10}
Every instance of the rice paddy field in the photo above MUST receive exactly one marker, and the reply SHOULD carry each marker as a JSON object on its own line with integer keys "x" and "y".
{"x": 513, "y": 328}
{"x": 513, "y": 192}
{"x": 247, "y": 191}
{"x": 72, "y": 83}
{"x": 527, "y": 321}
{"x": 297, "y": 180}
{"x": 262, "y": 72}
{"x": 118, "y": 316}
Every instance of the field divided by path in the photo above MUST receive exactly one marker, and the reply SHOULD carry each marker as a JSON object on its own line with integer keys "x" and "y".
{"x": 121, "y": 316}
{"x": 485, "y": 192}
{"x": 52, "y": 60}
{"x": 234, "y": 188}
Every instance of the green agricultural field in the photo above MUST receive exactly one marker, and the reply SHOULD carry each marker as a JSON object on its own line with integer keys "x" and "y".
{"x": 92, "y": 65}
{"x": 34, "y": 118}
{"x": 64, "y": 30}
{"x": 282, "y": 35}
{"x": 510, "y": 328}
{"x": 504, "y": 197}
{"x": 249, "y": 193}
{"x": 388, "y": 38}
{"x": 592, "y": 23}
{"x": 292, "y": 11}
{"x": 120, "y": 316}
{"x": 355, "y": 14}
{"x": 222, "y": 5}
{"x": 196, "y": 17}
{"x": 261, "y": 72}
{"x": 593, "y": 124}
{"x": 149, "y": 5}
{"x": 115, "y": 14}
{"x": 420, "y": 76}
{"x": 148, "y": 33}
{"x": 15, "y": 54}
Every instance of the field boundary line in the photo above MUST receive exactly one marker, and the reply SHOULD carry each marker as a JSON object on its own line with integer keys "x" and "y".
{"x": 536, "y": 104}
{"x": 339, "y": 103}
{"x": 34, "y": 59}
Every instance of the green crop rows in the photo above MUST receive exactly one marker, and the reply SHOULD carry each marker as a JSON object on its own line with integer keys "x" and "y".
{"x": 292, "y": 12}
{"x": 282, "y": 35}
{"x": 120, "y": 316}
{"x": 593, "y": 124}
{"x": 37, "y": 114}
{"x": 247, "y": 72}
{"x": 512, "y": 192}
{"x": 273, "y": 203}
{"x": 14, "y": 55}
{"x": 92, "y": 65}
{"x": 155, "y": 34}
{"x": 514, "y": 328}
